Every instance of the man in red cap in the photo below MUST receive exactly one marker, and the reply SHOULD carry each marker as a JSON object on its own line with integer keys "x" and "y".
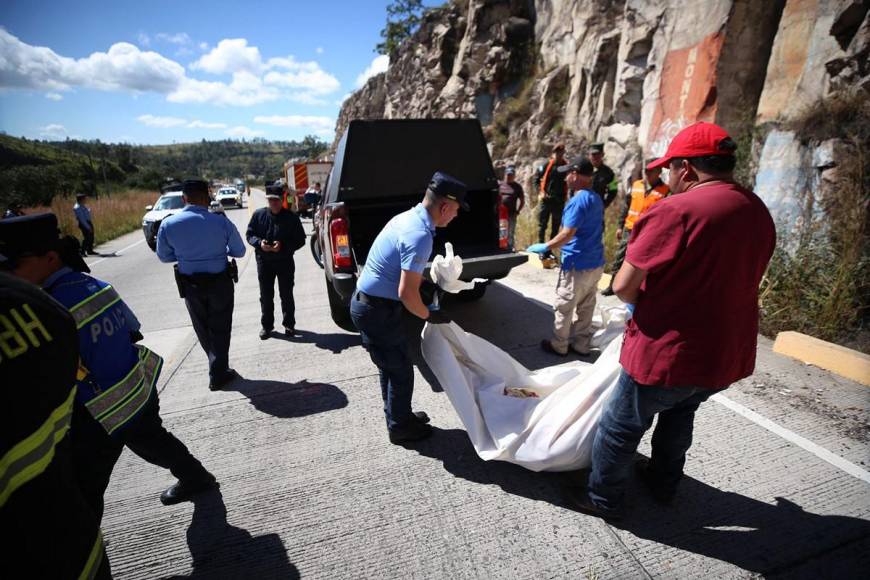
{"x": 692, "y": 270}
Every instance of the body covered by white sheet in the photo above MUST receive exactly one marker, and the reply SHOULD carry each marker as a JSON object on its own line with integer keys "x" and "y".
{"x": 551, "y": 433}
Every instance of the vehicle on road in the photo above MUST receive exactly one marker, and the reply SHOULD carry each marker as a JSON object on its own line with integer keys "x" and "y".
{"x": 300, "y": 177}
{"x": 381, "y": 169}
{"x": 229, "y": 196}
{"x": 171, "y": 202}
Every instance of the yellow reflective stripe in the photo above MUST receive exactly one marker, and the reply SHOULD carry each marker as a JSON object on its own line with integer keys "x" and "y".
{"x": 31, "y": 456}
{"x": 94, "y": 305}
{"x": 120, "y": 390}
{"x": 95, "y": 559}
{"x": 134, "y": 395}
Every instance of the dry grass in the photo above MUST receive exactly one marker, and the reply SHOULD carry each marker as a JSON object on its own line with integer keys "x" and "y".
{"x": 113, "y": 215}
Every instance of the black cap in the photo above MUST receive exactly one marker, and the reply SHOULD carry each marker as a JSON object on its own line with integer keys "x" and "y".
{"x": 444, "y": 185}
{"x": 579, "y": 164}
{"x": 28, "y": 235}
{"x": 596, "y": 148}
{"x": 194, "y": 186}
{"x": 274, "y": 191}
{"x": 81, "y": 195}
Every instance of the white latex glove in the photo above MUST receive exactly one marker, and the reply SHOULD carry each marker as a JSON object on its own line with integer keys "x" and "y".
{"x": 446, "y": 270}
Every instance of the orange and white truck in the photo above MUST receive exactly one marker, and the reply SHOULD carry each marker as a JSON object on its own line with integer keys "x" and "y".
{"x": 302, "y": 175}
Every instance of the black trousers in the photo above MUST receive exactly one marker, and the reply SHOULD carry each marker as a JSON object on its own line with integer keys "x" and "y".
{"x": 87, "y": 240}
{"x": 551, "y": 213}
{"x": 267, "y": 272}
{"x": 96, "y": 452}
{"x": 209, "y": 300}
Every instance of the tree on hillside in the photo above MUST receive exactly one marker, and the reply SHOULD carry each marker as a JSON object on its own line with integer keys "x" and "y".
{"x": 313, "y": 147}
{"x": 403, "y": 17}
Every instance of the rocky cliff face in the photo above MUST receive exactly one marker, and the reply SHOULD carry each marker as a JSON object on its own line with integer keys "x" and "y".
{"x": 629, "y": 73}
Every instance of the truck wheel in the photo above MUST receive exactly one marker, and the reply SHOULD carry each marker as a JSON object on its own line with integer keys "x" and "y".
{"x": 152, "y": 245}
{"x": 475, "y": 293}
{"x": 315, "y": 251}
{"x": 339, "y": 311}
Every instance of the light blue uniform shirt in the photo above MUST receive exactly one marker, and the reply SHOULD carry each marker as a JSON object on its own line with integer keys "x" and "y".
{"x": 199, "y": 241}
{"x": 83, "y": 215}
{"x": 585, "y": 212}
{"x": 405, "y": 243}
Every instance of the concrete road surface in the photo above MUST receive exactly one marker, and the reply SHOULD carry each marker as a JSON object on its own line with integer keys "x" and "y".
{"x": 777, "y": 482}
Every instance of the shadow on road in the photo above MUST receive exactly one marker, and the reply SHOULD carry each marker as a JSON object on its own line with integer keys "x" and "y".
{"x": 220, "y": 550}
{"x": 751, "y": 534}
{"x": 288, "y": 400}
{"x": 334, "y": 342}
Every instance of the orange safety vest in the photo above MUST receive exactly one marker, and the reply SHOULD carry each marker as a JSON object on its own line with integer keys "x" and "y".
{"x": 641, "y": 200}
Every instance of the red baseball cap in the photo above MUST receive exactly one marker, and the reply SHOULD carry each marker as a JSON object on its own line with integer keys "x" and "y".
{"x": 698, "y": 140}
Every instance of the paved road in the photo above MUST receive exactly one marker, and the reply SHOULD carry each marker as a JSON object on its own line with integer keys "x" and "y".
{"x": 311, "y": 488}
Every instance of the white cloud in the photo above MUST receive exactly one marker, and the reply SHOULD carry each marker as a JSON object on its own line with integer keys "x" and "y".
{"x": 242, "y": 131}
{"x": 231, "y": 55}
{"x": 144, "y": 39}
{"x": 245, "y": 90}
{"x": 179, "y": 38}
{"x": 203, "y": 46}
{"x": 197, "y": 124}
{"x": 54, "y": 96}
{"x": 319, "y": 50}
{"x": 53, "y": 130}
{"x": 123, "y": 67}
{"x": 161, "y": 122}
{"x": 315, "y": 80}
{"x": 378, "y": 65}
{"x": 313, "y": 123}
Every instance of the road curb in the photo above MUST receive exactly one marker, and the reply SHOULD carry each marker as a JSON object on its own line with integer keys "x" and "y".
{"x": 837, "y": 359}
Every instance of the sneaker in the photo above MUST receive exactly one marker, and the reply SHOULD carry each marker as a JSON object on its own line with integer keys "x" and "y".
{"x": 547, "y": 346}
{"x": 413, "y": 431}
{"x": 578, "y": 498}
{"x": 578, "y": 351}
{"x": 289, "y": 331}
{"x": 420, "y": 417}
{"x": 264, "y": 334}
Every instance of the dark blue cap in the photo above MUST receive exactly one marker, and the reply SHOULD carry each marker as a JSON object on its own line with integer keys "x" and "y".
{"x": 444, "y": 185}
{"x": 28, "y": 235}
{"x": 195, "y": 186}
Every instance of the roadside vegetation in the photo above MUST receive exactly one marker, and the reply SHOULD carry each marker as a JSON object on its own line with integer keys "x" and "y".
{"x": 113, "y": 215}
{"x": 818, "y": 281}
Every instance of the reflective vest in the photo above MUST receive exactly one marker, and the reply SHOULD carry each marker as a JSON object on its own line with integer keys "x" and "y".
{"x": 116, "y": 378}
{"x": 641, "y": 201}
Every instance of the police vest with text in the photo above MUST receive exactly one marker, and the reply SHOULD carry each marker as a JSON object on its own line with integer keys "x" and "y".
{"x": 116, "y": 377}
{"x": 641, "y": 200}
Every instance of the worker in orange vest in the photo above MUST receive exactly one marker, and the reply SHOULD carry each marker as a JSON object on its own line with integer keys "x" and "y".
{"x": 552, "y": 194}
{"x": 644, "y": 194}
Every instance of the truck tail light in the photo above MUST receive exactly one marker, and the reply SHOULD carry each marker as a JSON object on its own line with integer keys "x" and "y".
{"x": 502, "y": 226}
{"x": 339, "y": 233}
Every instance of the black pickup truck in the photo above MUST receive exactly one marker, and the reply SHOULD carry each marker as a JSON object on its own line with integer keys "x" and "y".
{"x": 382, "y": 168}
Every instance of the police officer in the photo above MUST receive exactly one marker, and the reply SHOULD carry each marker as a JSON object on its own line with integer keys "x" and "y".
{"x": 390, "y": 283}
{"x": 85, "y": 223}
{"x": 275, "y": 233}
{"x": 603, "y": 175}
{"x": 53, "y": 531}
{"x": 200, "y": 242}
{"x": 117, "y": 378}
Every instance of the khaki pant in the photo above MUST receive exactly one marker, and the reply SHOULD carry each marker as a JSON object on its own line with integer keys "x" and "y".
{"x": 574, "y": 307}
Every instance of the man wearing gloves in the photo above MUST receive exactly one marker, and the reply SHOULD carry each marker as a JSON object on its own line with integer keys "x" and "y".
{"x": 390, "y": 284}
{"x": 582, "y": 262}
{"x": 275, "y": 233}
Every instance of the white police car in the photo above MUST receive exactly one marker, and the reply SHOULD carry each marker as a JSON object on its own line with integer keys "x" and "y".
{"x": 229, "y": 196}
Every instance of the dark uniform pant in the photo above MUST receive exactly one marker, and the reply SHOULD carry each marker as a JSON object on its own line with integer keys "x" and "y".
{"x": 549, "y": 212}
{"x": 209, "y": 299}
{"x": 619, "y": 258}
{"x": 96, "y": 452}
{"x": 381, "y": 327}
{"x": 267, "y": 272}
{"x": 87, "y": 240}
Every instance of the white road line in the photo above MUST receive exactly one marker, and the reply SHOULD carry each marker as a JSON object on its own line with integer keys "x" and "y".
{"x": 118, "y": 253}
{"x": 760, "y": 420}
{"x": 792, "y": 437}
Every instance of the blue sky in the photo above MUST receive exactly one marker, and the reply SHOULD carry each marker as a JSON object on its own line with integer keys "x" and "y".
{"x": 158, "y": 71}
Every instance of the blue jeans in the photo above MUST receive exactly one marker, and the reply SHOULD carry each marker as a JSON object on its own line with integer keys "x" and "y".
{"x": 382, "y": 331}
{"x": 627, "y": 416}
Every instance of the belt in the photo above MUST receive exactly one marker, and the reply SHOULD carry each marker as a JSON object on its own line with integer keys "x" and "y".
{"x": 203, "y": 276}
{"x": 376, "y": 300}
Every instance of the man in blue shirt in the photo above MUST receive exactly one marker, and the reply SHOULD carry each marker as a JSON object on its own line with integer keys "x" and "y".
{"x": 85, "y": 223}
{"x": 582, "y": 262}
{"x": 200, "y": 242}
{"x": 389, "y": 284}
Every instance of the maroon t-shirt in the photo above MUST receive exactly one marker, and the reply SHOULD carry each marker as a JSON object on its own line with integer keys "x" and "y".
{"x": 696, "y": 320}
